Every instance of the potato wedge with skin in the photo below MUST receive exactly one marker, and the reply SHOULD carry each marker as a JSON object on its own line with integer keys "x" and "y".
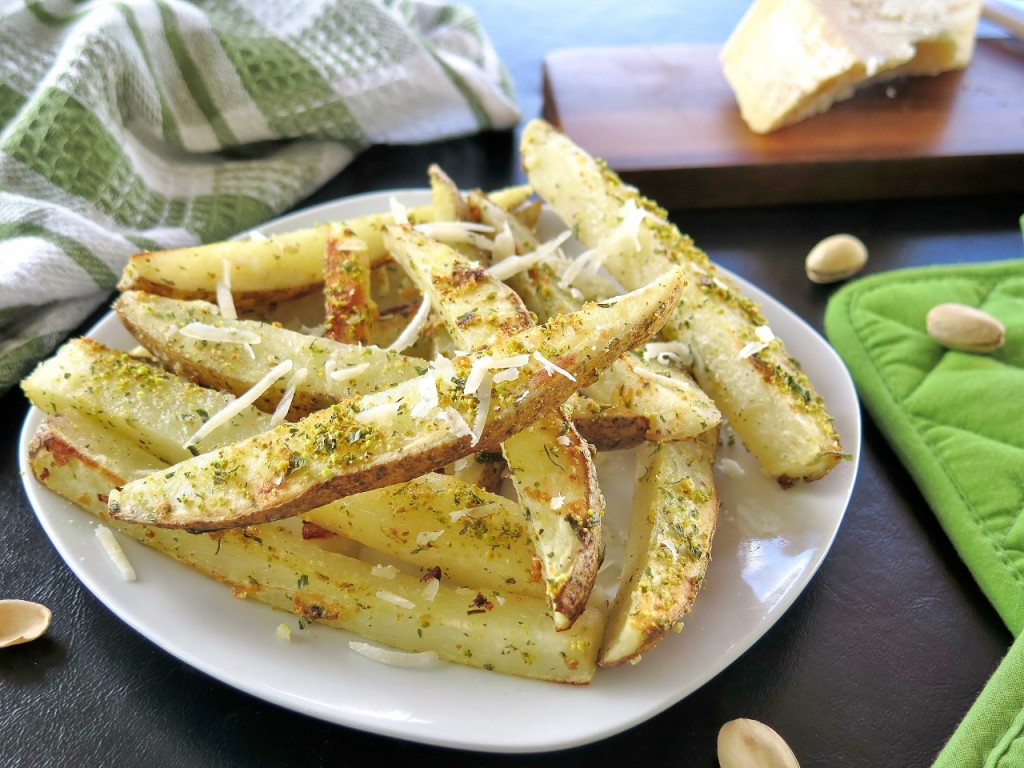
{"x": 267, "y": 270}
{"x": 262, "y": 270}
{"x": 349, "y": 311}
{"x": 606, "y": 427}
{"x": 475, "y": 537}
{"x": 156, "y": 409}
{"x": 671, "y": 402}
{"x": 381, "y": 439}
{"x": 563, "y": 501}
{"x": 763, "y": 394}
{"x": 334, "y": 371}
{"x": 133, "y": 400}
{"x": 481, "y": 627}
{"x": 668, "y": 546}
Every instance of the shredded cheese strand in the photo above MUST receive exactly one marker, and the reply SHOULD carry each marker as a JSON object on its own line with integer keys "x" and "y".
{"x": 398, "y": 211}
{"x": 239, "y": 404}
{"x": 551, "y": 368}
{"x": 392, "y": 657}
{"x": 628, "y": 229}
{"x": 503, "y": 270}
{"x": 225, "y": 300}
{"x": 289, "y": 395}
{"x": 344, "y": 374}
{"x": 113, "y": 549}
{"x": 483, "y": 364}
{"x": 411, "y": 332}
{"x": 391, "y": 597}
{"x": 206, "y": 332}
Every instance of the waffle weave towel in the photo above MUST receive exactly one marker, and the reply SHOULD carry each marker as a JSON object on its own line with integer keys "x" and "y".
{"x": 151, "y": 124}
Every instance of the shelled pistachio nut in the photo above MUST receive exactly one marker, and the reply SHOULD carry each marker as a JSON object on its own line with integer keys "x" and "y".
{"x": 747, "y": 743}
{"x": 964, "y": 328}
{"x": 22, "y": 621}
{"x": 836, "y": 258}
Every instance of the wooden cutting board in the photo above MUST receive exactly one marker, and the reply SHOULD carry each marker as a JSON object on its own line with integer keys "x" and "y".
{"x": 667, "y": 121}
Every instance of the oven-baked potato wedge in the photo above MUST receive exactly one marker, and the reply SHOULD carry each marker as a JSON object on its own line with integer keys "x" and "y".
{"x": 759, "y": 388}
{"x": 488, "y": 628}
{"x": 396, "y": 434}
{"x": 672, "y": 404}
{"x": 668, "y": 545}
{"x": 335, "y": 370}
{"x": 563, "y": 502}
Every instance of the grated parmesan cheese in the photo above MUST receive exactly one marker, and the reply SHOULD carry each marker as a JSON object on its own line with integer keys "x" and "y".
{"x": 391, "y": 597}
{"x": 382, "y": 414}
{"x": 551, "y": 368}
{"x": 557, "y": 502}
{"x": 503, "y": 270}
{"x": 343, "y": 374}
{"x": 504, "y": 244}
{"x": 426, "y": 538}
{"x": 667, "y": 351}
{"x": 225, "y": 301}
{"x": 239, "y": 404}
{"x": 284, "y": 632}
{"x": 206, "y": 332}
{"x": 456, "y": 422}
{"x": 398, "y": 211}
{"x": 392, "y": 657}
{"x": 625, "y": 234}
{"x": 113, "y": 549}
{"x": 430, "y": 588}
{"x": 411, "y": 332}
{"x": 458, "y": 232}
{"x": 384, "y": 571}
{"x": 483, "y": 409}
{"x": 483, "y": 364}
{"x": 764, "y": 337}
{"x": 668, "y": 381}
{"x": 289, "y": 395}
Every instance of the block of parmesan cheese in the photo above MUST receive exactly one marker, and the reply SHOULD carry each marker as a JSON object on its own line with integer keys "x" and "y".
{"x": 790, "y": 59}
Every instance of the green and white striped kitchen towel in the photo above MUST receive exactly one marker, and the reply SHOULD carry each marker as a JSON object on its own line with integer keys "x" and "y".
{"x": 149, "y": 124}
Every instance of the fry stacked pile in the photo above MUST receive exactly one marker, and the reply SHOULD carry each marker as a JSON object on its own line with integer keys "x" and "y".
{"x": 352, "y": 473}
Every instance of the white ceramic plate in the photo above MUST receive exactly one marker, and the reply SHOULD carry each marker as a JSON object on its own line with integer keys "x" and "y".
{"x": 769, "y": 544}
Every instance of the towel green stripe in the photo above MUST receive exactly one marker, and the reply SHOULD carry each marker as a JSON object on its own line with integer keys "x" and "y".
{"x": 11, "y": 103}
{"x": 193, "y": 78}
{"x": 18, "y": 356}
{"x": 82, "y": 256}
{"x": 52, "y": 19}
{"x": 472, "y": 100}
{"x": 167, "y": 120}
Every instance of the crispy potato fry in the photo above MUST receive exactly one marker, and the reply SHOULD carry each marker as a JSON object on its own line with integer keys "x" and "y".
{"x": 334, "y": 371}
{"x": 668, "y": 547}
{"x": 348, "y": 309}
{"x": 563, "y": 501}
{"x": 758, "y": 387}
{"x": 487, "y": 628}
{"x": 381, "y": 439}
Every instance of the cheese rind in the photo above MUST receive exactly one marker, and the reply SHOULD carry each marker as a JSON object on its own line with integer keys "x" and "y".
{"x": 790, "y": 59}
